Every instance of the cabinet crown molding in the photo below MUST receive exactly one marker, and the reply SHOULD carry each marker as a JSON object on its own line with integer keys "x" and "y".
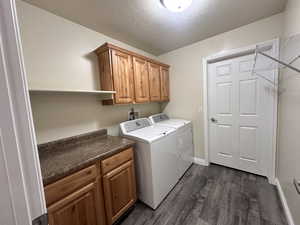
{"x": 106, "y": 46}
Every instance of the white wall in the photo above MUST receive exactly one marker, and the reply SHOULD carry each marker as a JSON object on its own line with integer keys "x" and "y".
{"x": 288, "y": 156}
{"x": 187, "y": 69}
{"x": 59, "y": 55}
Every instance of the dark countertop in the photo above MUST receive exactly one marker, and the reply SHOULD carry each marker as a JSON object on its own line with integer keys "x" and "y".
{"x": 66, "y": 156}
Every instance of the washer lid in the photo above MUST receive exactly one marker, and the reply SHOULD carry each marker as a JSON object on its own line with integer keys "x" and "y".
{"x": 152, "y": 133}
{"x": 132, "y": 125}
{"x": 159, "y": 117}
{"x": 164, "y": 120}
{"x": 176, "y": 122}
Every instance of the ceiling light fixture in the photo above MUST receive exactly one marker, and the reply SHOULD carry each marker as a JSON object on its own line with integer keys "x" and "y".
{"x": 176, "y": 5}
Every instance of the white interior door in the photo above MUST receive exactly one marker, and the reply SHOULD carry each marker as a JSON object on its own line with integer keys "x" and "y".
{"x": 241, "y": 107}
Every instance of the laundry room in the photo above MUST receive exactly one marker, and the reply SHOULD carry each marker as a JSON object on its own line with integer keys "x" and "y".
{"x": 150, "y": 112}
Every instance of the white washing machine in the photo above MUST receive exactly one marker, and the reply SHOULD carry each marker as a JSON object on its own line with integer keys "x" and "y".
{"x": 156, "y": 159}
{"x": 184, "y": 140}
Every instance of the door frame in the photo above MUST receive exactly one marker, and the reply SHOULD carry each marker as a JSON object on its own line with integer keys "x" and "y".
{"x": 22, "y": 165}
{"x": 274, "y": 44}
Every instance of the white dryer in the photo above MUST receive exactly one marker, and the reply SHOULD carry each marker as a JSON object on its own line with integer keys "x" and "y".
{"x": 156, "y": 159}
{"x": 184, "y": 140}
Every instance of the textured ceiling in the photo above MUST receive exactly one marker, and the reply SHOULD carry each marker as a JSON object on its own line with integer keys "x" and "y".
{"x": 145, "y": 24}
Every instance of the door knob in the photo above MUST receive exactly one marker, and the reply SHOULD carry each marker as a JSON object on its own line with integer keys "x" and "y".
{"x": 213, "y": 120}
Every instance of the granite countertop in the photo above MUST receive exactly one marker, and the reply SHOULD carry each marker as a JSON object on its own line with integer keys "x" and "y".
{"x": 66, "y": 156}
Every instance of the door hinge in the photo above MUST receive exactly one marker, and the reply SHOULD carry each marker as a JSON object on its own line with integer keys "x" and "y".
{"x": 41, "y": 220}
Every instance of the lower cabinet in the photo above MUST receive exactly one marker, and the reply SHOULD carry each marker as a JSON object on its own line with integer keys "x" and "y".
{"x": 79, "y": 208}
{"x": 89, "y": 197}
{"x": 119, "y": 191}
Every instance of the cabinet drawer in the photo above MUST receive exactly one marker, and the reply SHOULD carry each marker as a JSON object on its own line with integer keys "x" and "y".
{"x": 67, "y": 185}
{"x": 116, "y": 160}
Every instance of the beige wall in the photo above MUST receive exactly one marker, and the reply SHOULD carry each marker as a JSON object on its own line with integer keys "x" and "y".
{"x": 288, "y": 166}
{"x": 187, "y": 69}
{"x": 57, "y": 116}
{"x": 59, "y": 55}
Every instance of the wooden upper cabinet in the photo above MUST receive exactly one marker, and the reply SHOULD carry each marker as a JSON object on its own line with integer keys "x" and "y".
{"x": 141, "y": 80}
{"x": 164, "y": 84}
{"x": 154, "y": 81}
{"x": 135, "y": 78}
{"x": 122, "y": 77}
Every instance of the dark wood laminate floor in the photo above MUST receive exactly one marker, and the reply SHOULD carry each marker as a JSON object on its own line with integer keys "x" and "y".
{"x": 214, "y": 195}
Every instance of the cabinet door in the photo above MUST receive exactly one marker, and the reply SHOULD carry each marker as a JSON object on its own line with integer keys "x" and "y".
{"x": 123, "y": 77}
{"x": 79, "y": 208}
{"x": 141, "y": 80}
{"x": 154, "y": 81}
{"x": 164, "y": 84}
{"x": 105, "y": 69}
{"x": 119, "y": 191}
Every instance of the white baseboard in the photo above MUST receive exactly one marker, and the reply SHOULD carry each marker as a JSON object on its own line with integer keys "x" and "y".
{"x": 284, "y": 203}
{"x": 200, "y": 161}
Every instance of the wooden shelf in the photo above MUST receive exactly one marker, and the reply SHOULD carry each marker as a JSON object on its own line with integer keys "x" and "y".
{"x": 53, "y": 91}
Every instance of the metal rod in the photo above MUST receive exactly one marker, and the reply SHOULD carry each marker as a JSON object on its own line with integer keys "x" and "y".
{"x": 266, "y": 79}
{"x": 297, "y": 185}
{"x": 254, "y": 64}
{"x": 280, "y": 62}
{"x": 293, "y": 60}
